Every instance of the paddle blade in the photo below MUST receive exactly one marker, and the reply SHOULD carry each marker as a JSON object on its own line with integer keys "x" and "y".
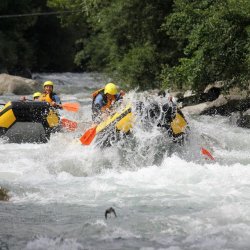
{"x": 73, "y": 107}
{"x": 68, "y": 124}
{"x": 88, "y": 136}
{"x": 206, "y": 153}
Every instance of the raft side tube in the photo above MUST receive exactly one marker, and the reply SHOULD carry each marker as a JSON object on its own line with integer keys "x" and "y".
{"x": 16, "y": 114}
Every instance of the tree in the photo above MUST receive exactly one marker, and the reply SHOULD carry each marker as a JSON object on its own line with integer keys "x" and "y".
{"x": 125, "y": 38}
{"x": 214, "y": 38}
{"x": 34, "y": 42}
{"x": 15, "y": 50}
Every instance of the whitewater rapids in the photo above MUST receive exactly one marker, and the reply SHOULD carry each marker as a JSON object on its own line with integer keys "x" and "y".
{"x": 60, "y": 190}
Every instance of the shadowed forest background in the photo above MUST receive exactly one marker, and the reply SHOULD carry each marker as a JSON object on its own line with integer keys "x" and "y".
{"x": 177, "y": 44}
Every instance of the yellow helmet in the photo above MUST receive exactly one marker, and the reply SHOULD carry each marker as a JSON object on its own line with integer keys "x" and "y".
{"x": 37, "y": 94}
{"x": 111, "y": 89}
{"x": 48, "y": 83}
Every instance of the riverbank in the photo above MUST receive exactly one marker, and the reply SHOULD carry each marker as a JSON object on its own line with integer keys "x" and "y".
{"x": 215, "y": 100}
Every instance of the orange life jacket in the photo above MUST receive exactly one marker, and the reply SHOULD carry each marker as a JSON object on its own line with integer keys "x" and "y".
{"x": 108, "y": 101}
{"x": 94, "y": 94}
{"x": 47, "y": 97}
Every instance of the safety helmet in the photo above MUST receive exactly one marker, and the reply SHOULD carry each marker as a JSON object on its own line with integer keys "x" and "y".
{"x": 111, "y": 89}
{"x": 48, "y": 83}
{"x": 37, "y": 94}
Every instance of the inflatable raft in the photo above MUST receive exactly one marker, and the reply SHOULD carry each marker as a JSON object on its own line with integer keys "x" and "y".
{"x": 22, "y": 122}
{"x": 167, "y": 117}
{"x": 115, "y": 126}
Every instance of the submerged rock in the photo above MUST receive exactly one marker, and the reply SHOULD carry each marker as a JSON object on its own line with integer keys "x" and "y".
{"x": 244, "y": 119}
{"x": 4, "y": 194}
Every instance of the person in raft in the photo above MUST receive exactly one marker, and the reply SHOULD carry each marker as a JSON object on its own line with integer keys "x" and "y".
{"x": 103, "y": 100}
{"x": 49, "y": 96}
{"x": 36, "y": 96}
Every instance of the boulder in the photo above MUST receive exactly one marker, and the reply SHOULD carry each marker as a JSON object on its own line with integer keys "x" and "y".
{"x": 225, "y": 105}
{"x": 188, "y": 93}
{"x": 237, "y": 93}
{"x": 211, "y": 95}
{"x": 195, "y": 109}
{"x": 244, "y": 119}
{"x": 217, "y": 100}
{"x": 17, "y": 85}
{"x": 217, "y": 85}
{"x": 4, "y": 194}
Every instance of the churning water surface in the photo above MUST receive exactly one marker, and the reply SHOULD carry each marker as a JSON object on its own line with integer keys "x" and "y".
{"x": 60, "y": 190}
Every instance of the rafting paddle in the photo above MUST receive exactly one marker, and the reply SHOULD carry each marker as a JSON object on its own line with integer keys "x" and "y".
{"x": 206, "y": 153}
{"x": 73, "y": 107}
{"x": 69, "y": 106}
{"x": 68, "y": 124}
{"x": 88, "y": 136}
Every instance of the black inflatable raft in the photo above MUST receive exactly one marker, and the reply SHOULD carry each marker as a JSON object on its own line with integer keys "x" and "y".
{"x": 22, "y": 122}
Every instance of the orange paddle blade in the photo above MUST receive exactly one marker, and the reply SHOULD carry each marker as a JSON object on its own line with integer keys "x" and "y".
{"x": 74, "y": 106}
{"x": 88, "y": 136}
{"x": 206, "y": 153}
{"x": 68, "y": 124}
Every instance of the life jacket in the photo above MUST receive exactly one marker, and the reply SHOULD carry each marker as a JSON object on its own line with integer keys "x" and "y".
{"x": 47, "y": 97}
{"x": 108, "y": 101}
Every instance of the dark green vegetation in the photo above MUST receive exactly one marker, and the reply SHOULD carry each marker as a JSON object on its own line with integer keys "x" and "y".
{"x": 145, "y": 43}
{"x": 38, "y": 43}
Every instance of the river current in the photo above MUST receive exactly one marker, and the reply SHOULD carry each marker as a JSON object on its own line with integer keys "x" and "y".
{"x": 60, "y": 190}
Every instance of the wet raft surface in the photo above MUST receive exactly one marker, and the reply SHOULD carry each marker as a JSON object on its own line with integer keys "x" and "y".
{"x": 26, "y": 122}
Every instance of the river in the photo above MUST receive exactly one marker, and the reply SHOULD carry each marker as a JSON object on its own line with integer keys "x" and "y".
{"x": 61, "y": 190}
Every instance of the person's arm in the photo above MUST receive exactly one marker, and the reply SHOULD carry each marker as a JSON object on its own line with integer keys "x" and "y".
{"x": 23, "y": 98}
{"x": 56, "y": 101}
{"x": 98, "y": 102}
{"x": 97, "y": 108}
{"x": 120, "y": 95}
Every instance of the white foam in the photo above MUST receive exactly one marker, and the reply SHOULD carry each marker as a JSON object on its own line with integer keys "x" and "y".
{"x": 45, "y": 243}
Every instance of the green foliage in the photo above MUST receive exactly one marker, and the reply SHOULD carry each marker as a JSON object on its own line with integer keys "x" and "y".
{"x": 15, "y": 50}
{"x": 38, "y": 43}
{"x": 138, "y": 67}
{"x": 214, "y": 39}
{"x": 125, "y": 38}
{"x": 145, "y": 44}
{"x": 53, "y": 45}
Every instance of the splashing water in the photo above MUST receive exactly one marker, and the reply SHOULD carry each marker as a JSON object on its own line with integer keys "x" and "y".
{"x": 165, "y": 197}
